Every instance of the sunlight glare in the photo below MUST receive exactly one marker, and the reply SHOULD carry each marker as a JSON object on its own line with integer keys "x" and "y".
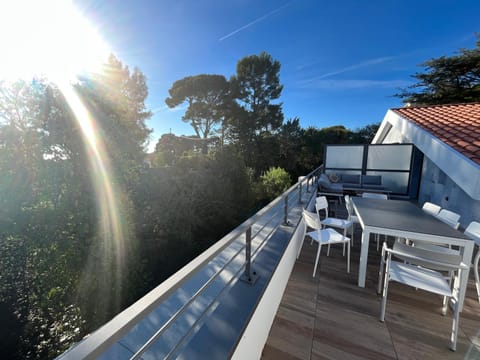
{"x": 49, "y": 38}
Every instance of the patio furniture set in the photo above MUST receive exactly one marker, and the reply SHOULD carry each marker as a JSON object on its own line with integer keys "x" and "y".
{"x": 428, "y": 252}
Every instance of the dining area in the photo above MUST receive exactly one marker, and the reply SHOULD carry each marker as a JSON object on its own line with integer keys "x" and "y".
{"x": 406, "y": 292}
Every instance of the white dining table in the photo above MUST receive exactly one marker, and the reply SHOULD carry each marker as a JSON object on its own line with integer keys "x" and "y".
{"x": 399, "y": 218}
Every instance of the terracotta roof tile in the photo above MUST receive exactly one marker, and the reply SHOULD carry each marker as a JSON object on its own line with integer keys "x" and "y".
{"x": 458, "y": 125}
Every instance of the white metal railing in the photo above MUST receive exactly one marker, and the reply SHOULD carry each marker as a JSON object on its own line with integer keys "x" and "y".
{"x": 263, "y": 223}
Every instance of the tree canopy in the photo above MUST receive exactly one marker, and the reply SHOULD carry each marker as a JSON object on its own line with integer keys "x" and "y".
{"x": 208, "y": 98}
{"x": 447, "y": 79}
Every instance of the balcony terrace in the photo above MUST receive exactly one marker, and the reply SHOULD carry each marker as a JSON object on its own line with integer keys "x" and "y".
{"x": 330, "y": 317}
{"x": 228, "y": 304}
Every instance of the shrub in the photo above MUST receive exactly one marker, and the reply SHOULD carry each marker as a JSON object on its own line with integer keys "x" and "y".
{"x": 274, "y": 182}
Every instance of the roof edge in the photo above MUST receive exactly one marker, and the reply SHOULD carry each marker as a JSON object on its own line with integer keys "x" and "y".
{"x": 462, "y": 170}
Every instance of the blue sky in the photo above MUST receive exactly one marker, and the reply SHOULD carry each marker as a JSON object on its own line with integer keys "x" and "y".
{"x": 341, "y": 61}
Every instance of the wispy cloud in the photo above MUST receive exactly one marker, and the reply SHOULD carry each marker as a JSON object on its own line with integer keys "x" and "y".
{"x": 164, "y": 108}
{"x": 261, "y": 18}
{"x": 360, "y": 65}
{"x": 351, "y": 84}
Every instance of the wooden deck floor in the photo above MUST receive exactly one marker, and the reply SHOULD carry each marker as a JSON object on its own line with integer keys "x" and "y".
{"x": 330, "y": 317}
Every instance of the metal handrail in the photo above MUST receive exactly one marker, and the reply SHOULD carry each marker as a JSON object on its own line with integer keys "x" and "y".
{"x": 100, "y": 340}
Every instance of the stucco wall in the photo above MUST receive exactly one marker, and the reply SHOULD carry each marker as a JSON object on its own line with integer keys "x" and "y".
{"x": 437, "y": 187}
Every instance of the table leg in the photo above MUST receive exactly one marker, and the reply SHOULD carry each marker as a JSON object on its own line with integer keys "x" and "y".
{"x": 362, "y": 270}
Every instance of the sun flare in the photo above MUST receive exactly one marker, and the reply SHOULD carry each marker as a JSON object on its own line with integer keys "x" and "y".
{"x": 47, "y": 38}
{"x": 52, "y": 40}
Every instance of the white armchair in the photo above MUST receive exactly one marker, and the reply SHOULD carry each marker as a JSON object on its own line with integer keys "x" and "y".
{"x": 323, "y": 236}
{"x": 449, "y": 217}
{"x": 473, "y": 232}
{"x": 421, "y": 269}
{"x": 431, "y": 208}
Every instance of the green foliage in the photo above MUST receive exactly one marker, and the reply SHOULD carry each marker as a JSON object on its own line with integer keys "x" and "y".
{"x": 364, "y": 135}
{"x": 447, "y": 79}
{"x": 274, "y": 182}
{"x": 208, "y": 98}
{"x": 256, "y": 86}
{"x": 50, "y": 228}
{"x": 183, "y": 209}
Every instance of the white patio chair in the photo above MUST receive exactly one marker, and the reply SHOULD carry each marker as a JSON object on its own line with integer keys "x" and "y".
{"x": 375, "y": 196}
{"x": 431, "y": 208}
{"x": 420, "y": 268}
{"x": 323, "y": 236}
{"x": 473, "y": 232}
{"x": 449, "y": 217}
{"x": 351, "y": 214}
{"x": 321, "y": 205}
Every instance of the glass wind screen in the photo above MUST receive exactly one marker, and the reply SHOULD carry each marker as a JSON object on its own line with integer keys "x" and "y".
{"x": 396, "y": 182}
{"x": 349, "y": 157}
{"x": 391, "y": 157}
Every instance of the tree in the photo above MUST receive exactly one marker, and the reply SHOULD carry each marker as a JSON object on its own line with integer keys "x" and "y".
{"x": 256, "y": 85}
{"x": 116, "y": 99}
{"x": 290, "y": 138}
{"x": 364, "y": 135}
{"x": 208, "y": 98}
{"x": 446, "y": 80}
{"x": 59, "y": 279}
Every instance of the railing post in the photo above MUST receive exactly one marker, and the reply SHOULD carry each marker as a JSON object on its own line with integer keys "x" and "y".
{"x": 285, "y": 209}
{"x": 249, "y": 276}
{"x": 300, "y": 193}
{"x": 308, "y": 184}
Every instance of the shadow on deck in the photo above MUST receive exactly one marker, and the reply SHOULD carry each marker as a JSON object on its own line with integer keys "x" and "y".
{"x": 330, "y": 317}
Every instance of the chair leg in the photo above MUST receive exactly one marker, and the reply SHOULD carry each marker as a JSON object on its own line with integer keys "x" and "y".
{"x": 316, "y": 260}
{"x": 456, "y": 316}
{"x": 353, "y": 230}
{"x": 475, "y": 271}
{"x": 328, "y": 250}
{"x": 377, "y": 237}
{"x": 385, "y": 290}
{"x": 380, "y": 272}
{"x": 446, "y": 298}
{"x": 384, "y": 299}
{"x": 348, "y": 258}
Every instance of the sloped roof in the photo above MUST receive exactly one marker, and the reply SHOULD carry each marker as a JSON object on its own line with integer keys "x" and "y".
{"x": 457, "y": 125}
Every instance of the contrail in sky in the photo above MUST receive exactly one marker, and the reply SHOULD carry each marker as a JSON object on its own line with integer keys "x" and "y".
{"x": 261, "y": 18}
{"x": 356, "y": 66}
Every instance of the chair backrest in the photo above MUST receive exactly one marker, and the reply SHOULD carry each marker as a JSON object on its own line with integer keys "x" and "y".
{"x": 321, "y": 203}
{"x": 311, "y": 220}
{"x": 348, "y": 204}
{"x": 431, "y": 208}
{"x": 473, "y": 231}
{"x": 449, "y": 217}
{"x": 375, "y": 195}
{"x": 427, "y": 257}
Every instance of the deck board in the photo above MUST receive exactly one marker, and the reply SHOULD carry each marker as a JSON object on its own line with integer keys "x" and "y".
{"x": 330, "y": 317}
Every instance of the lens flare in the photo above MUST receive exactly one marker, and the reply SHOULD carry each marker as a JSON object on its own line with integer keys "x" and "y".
{"x": 105, "y": 189}
{"x": 51, "y": 39}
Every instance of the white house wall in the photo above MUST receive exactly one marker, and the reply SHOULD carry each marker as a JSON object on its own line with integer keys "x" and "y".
{"x": 458, "y": 191}
{"x": 440, "y": 189}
